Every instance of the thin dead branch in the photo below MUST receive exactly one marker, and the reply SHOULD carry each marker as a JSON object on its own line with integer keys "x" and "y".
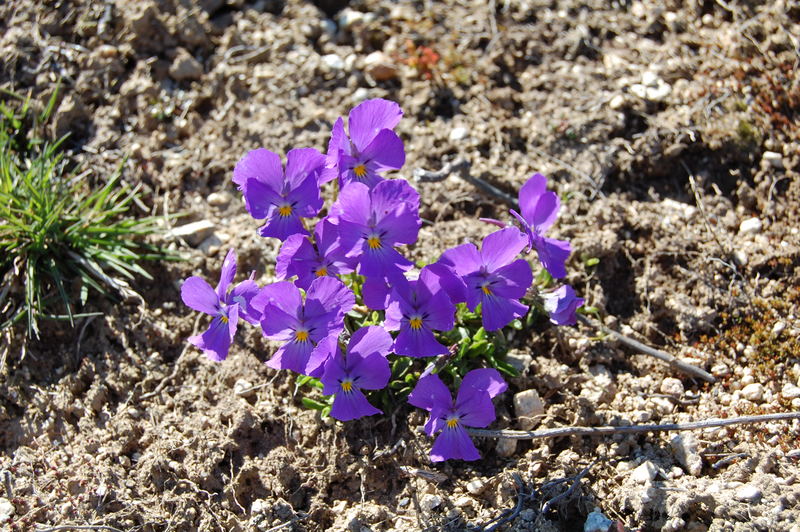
{"x": 559, "y": 432}
{"x": 647, "y": 350}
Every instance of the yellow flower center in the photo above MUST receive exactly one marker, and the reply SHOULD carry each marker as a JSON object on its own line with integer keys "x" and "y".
{"x": 347, "y": 386}
{"x": 285, "y": 210}
{"x": 415, "y": 323}
{"x": 301, "y": 336}
{"x": 322, "y": 271}
{"x": 360, "y": 171}
{"x": 224, "y": 318}
{"x": 452, "y": 423}
{"x": 485, "y": 289}
{"x": 374, "y": 242}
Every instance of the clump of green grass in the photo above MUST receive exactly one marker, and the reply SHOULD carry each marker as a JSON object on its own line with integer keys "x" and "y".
{"x": 61, "y": 238}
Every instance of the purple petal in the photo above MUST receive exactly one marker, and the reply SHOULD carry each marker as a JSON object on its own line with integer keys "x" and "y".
{"x": 399, "y": 227}
{"x": 512, "y": 281}
{"x": 283, "y": 294}
{"x": 393, "y": 316}
{"x": 498, "y": 311}
{"x": 371, "y": 372}
{"x": 386, "y": 151}
{"x": 475, "y": 409}
{"x": 282, "y": 227}
{"x": 525, "y": 227}
{"x": 277, "y": 324}
{"x": 333, "y": 370}
{"x": 369, "y": 340}
{"x": 562, "y": 305}
{"x": 260, "y": 199}
{"x": 369, "y": 117}
{"x": 305, "y": 198}
{"x": 463, "y": 259}
{"x": 553, "y": 255}
{"x": 292, "y": 355}
{"x": 242, "y": 295}
{"x": 486, "y": 380}
{"x": 197, "y": 294}
{"x": 352, "y": 205}
{"x": 529, "y": 195}
{"x": 332, "y": 294}
{"x": 302, "y": 163}
{"x": 502, "y": 247}
{"x": 296, "y": 253}
{"x": 546, "y": 212}
{"x": 430, "y": 393}
{"x": 454, "y": 443}
{"x": 261, "y": 165}
{"x": 352, "y": 405}
{"x": 441, "y": 312}
{"x": 227, "y": 273}
{"x": 326, "y": 349}
{"x": 449, "y": 281}
{"x": 216, "y": 341}
{"x": 338, "y": 143}
{"x": 382, "y": 262}
{"x": 417, "y": 343}
{"x": 375, "y": 293}
{"x": 388, "y": 195}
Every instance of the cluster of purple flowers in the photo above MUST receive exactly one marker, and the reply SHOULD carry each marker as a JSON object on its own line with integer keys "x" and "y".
{"x": 362, "y": 232}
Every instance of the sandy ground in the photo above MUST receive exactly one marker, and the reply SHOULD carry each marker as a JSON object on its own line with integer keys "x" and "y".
{"x": 117, "y": 423}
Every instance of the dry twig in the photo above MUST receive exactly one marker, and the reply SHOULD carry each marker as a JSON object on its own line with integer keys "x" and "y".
{"x": 647, "y": 350}
{"x": 559, "y": 432}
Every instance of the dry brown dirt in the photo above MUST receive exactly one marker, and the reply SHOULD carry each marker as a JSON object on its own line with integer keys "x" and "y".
{"x": 117, "y": 423}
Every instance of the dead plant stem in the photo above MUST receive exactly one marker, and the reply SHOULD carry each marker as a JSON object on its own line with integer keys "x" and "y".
{"x": 559, "y": 432}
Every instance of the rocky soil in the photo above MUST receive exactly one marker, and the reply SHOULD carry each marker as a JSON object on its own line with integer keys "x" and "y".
{"x": 671, "y": 130}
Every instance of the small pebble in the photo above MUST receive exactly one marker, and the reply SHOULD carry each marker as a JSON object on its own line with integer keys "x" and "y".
{"x": 458, "y": 133}
{"x": 380, "y": 66}
{"x": 778, "y": 328}
{"x": 644, "y": 473}
{"x": 195, "y": 232}
{"x": 219, "y": 199}
{"x": 773, "y": 158}
{"x": 7, "y": 510}
{"x": 528, "y": 406}
{"x": 753, "y": 392}
{"x": 476, "y": 487}
{"x": 672, "y": 386}
{"x": 429, "y": 502}
{"x": 597, "y": 522}
{"x": 333, "y": 62}
{"x": 750, "y": 226}
{"x": 748, "y": 493}
{"x": 790, "y": 391}
{"x": 506, "y": 447}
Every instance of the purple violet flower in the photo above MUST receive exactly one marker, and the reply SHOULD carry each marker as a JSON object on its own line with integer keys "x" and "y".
{"x": 562, "y": 304}
{"x": 283, "y": 199}
{"x": 490, "y": 276}
{"x": 364, "y": 368}
{"x": 473, "y": 408}
{"x": 302, "y": 326}
{"x": 372, "y": 222}
{"x": 539, "y": 208}
{"x": 298, "y": 256}
{"x": 371, "y": 147}
{"x": 416, "y": 309}
{"x": 225, "y": 306}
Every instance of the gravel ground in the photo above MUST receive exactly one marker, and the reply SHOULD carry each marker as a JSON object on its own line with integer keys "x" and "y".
{"x": 671, "y": 130}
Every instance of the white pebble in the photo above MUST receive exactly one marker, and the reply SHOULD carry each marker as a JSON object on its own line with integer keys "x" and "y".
{"x": 528, "y": 406}
{"x": 7, "y": 510}
{"x": 790, "y": 391}
{"x": 753, "y": 392}
{"x": 458, "y": 133}
{"x": 748, "y": 493}
{"x": 429, "y": 502}
{"x": 476, "y": 487}
{"x": 333, "y": 62}
{"x": 773, "y": 158}
{"x": 644, "y": 473}
{"x": 750, "y": 226}
{"x": 672, "y": 386}
{"x": 778, "y": 328}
